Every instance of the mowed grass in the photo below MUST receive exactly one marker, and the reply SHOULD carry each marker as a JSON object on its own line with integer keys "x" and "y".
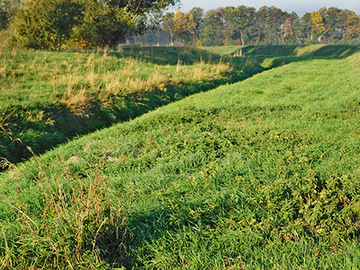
{"x": 271, "y": 56}
{"x": 263, "y": 173}
{"x": 311, "y": 51}
{"x": 48, "y": 97}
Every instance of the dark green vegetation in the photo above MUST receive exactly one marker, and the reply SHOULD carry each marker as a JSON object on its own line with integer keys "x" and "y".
{"x": 48, "y": 97}
{"x": 62, "y": 24}
{"x": 263, "y": 173}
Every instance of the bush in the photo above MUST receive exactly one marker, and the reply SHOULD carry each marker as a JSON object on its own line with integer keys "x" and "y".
{"x": 43, "y": 24}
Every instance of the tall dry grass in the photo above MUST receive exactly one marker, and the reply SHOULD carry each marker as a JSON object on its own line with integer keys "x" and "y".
{"x": 76, "y": 100}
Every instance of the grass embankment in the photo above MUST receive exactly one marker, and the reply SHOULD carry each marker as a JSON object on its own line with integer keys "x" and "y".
{"x": 49, "y": 97}
{"x": 260, "y": 174}
{"x": 271, "y": 56}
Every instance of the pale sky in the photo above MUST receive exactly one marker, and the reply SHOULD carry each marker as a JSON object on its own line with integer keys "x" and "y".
{"x": 299, "y": 6}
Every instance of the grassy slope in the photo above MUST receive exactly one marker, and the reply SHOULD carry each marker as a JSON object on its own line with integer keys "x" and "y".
{"x": 262, "y": 173}
{"x": 324, "y": 50}
{"x": 271, "y": 56}
{"x": 48, "y": 97}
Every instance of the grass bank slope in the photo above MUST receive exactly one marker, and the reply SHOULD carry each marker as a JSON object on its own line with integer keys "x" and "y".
{"x": 259, "y": 174}
{"x": 270, "y": 56}
{"x": 48, "y": 97}
{"x": 319, "y": 50}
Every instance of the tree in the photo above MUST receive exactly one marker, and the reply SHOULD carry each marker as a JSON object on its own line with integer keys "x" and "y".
{"x": 211, "y": 28}
{"x": 317, "y": 26}
{"x": 231, "y": 18}
{"x": 7, "y": 11}
{"x": 146, "y": 12}
{"x": 184, "y": 26}
{"x": 141, "y": 7}
{"x": 305, "y": 33}
{"x": 270, "y": 24}
{"x": 296, "y": 27}
{"x": 334, "y": 21}
{"x": 288, "y": 30}
{"x": 198, "y": 14}
{"x": 352, "y": 28}
{"x": 104, "y": 25}
{"x": 168, "y": 25}
{"x": 45, "y": 24}
{"x": 247, "y": 25}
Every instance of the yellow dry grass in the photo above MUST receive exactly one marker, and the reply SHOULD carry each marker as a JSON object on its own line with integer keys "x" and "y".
{"x": 76, "y": 100}
{"x": 158, "y": 81}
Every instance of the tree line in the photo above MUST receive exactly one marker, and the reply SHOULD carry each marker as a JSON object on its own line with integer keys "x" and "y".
{"x": 59, "y": 24}
{"x": 244, "y": 25}
{"x": 62, "y": 24}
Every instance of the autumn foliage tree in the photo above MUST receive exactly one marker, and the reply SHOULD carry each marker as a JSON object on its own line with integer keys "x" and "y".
{"x": 317, "y": 25}
{"x": 270, "y": 25}
{"x": 288, "y": 30}
{"x": 184, "y": 26}
{"x": 198, "y": 14}
{"x": 352, "y": 28}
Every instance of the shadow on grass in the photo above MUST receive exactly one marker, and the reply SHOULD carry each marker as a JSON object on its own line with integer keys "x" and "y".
{"x": 148, "y": 227}
{"x": 167, "y": 55}
{"x": 272, "y": 56}
{"x": 64, "y": 124}
{"x": 56, "y": 124}
{"x": 328, "y": 51}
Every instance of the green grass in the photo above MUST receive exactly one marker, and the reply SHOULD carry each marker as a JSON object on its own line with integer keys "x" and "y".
{"x": 49, "y": 97}
{"x": 327, "y": 51}
{"x": 271, "y": 56}
{"x": 223, "y": 50}
{"x": 263, "y": 173}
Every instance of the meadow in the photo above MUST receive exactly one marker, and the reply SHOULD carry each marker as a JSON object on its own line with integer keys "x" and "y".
{"x": 260, "y": 174}
{"x": 47, "y": 97}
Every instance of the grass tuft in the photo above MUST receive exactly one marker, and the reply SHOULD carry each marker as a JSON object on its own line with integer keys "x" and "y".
{"x": 76, "y": 227}
{"x": 76, "y": 100}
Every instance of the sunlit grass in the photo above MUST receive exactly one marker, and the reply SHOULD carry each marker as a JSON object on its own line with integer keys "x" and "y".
{"x": 30, "y": 77}
{"x": 263, "y": 173}
{"x": 54, "y": 96}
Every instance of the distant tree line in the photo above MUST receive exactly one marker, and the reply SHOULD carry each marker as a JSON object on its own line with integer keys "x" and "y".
{"x": 244, "y": 25}
{"x": 57, "y": 24}
{"x": 61, "y": 24}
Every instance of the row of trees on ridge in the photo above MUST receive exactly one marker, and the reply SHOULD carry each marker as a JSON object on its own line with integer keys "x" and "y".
{"x": 57, "y": 24}
{"x": 244, "y": 25}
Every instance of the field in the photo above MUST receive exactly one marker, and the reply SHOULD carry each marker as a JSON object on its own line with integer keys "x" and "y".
{"x": 48, "y": 97}
{"x": 262, "y": 173}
